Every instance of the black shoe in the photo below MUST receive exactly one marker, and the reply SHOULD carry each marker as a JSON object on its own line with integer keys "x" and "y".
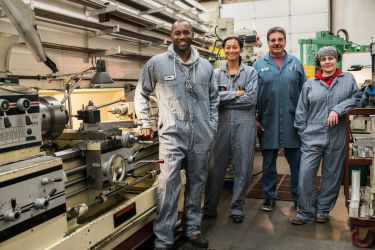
{"x": 162, "y": 248}
{"x": 197, "y": 241}
{"x": 208, "y": 216}
{"x": 237, "y": 218}
{"x": 268, "y": 204}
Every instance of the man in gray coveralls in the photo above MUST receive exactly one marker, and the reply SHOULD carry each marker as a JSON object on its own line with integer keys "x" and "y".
{"x": 187, "y": 103}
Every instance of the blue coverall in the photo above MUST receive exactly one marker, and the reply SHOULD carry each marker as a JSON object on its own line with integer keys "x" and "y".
{"x": 278, "y": 92}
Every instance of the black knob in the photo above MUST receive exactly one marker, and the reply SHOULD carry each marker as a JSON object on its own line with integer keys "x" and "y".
{"x": 13, "y": 203}
{"x": 28, "y": 120}
{"x": 7, "y": 122}
{"x": 4, "y": 105}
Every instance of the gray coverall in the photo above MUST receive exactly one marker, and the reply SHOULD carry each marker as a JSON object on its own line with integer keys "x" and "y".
{"x": 235, "y": 138}
{"x": 187, "y": 103}
{"x": 321, "y": 142}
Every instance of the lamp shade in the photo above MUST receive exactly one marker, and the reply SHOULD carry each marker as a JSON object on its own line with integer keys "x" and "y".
{"x": 101, "y": 75}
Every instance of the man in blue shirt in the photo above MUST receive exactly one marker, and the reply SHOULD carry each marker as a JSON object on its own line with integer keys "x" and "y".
{"x": 281, "y": 77}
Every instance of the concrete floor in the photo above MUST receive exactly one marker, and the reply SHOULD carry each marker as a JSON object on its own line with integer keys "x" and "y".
{"x": 272, "y": 230}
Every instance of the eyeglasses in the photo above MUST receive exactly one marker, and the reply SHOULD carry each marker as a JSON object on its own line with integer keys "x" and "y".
{"x": 189, "y": 88}
{"x": 280, "y": 40}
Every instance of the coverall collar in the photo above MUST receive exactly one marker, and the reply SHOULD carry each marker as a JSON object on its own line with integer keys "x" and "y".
{"x": 194, "y": 56}
{"x": 191, "y": 62}
{"x": 321, "y": 82}
{"x": 225, "y": 68}
{"x": 287, "y": 60}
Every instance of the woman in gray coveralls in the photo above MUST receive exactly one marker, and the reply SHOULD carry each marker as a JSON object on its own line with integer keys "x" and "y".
{"x": 235, "y": 138}
{"x": 323, "y": 102}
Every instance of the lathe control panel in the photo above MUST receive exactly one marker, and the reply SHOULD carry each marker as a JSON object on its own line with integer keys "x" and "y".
{"x": 31, "y": 192}
{"x": 20, "y": 120}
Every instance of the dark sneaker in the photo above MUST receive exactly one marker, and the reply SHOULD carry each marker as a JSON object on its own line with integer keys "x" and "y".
{"x": 321, "y": 219}
{"x": 268, "y": 205}
{"x": 297, "y": 221}
{"x": 237, "y": 218}
{"x": 197, "y": 241}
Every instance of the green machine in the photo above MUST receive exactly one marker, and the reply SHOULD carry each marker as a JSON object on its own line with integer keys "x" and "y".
{"x": 309, "y": 47}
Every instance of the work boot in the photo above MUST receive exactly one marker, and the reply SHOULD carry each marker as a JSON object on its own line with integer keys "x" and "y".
{"x": 237, "y": 218}
{"x": 321, "y": 219}
{"x": 197, "y": 241}
{"x": 268, "y": 204}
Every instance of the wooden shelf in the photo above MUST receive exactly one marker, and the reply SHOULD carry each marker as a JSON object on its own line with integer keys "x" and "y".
{"x": 362, "y": 222}
{"x": 358, "y": 160}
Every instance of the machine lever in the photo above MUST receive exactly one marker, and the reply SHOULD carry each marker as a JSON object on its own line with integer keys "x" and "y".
{"x": 46, "y": 180}
{"x": 53, "y": 191}
{"x": 7, "y": 122}
{"x": 12, "y": 214}
{"x": 28, "y": 119}
{"x": 13, "y": 203}
{"x": 145, "y": 142}
{"x": 43, "y": 203}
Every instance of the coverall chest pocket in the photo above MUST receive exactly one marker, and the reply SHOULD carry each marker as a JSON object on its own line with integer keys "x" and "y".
{"x": 171, "y": 92}
{"x": 318, "y": 95}
{"x": 202, "y": 107}
{"x": 201, "y": 89}
{"x": 266, "y": 76}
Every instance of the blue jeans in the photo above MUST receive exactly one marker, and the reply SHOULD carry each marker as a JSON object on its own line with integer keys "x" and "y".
{"x": 269, "y": 179}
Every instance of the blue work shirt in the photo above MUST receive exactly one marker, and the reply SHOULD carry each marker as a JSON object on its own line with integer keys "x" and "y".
{"x": 278, "y": 93}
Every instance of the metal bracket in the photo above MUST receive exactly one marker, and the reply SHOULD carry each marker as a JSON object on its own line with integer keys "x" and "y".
{"x": 186, "y": 10}
{"x": 114, "y": 29}
{"x": 107, "y": 9}
{"x": 164, "y": 42}
{"x": 150, "y": 11}
{"x": 109, "y": 52}
{"x": 151, "y": 27}
{"x": 121, "y": 52}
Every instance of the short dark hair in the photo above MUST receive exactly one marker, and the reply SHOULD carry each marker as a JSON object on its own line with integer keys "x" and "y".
{"x": 275, "y": 30}
{"x": 240, "y": 42}
{"x": 181, "y": 21}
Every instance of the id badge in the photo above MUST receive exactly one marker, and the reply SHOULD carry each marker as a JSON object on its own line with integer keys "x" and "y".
{"x": 223, "y": 88}
{"x": 169, "y": 77}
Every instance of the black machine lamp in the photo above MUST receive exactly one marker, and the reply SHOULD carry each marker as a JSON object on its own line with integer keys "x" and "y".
{"x": 101, "y": 75}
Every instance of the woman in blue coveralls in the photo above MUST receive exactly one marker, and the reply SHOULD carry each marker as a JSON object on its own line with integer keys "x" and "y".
{"x": 323, "y": 102}
{"x": 235, "y": 138}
